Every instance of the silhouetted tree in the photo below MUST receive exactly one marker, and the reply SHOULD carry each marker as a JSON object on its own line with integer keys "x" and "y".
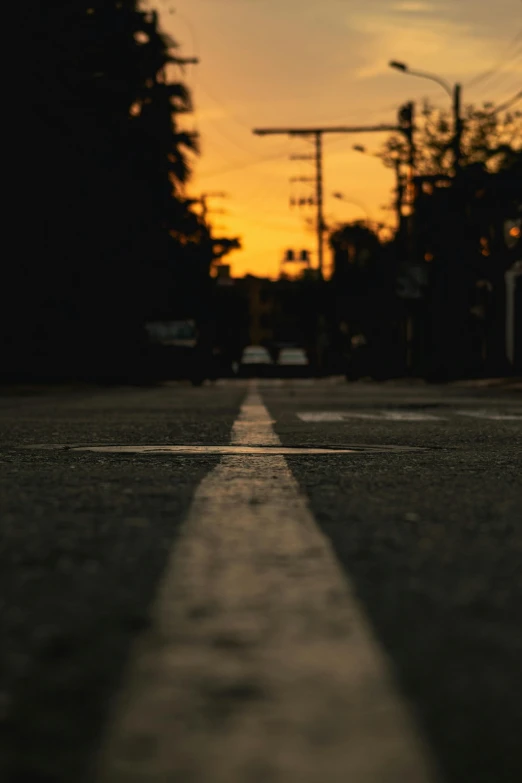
{"x": 97, "y": 192}
{"x": 489, "y": 138}
{"x": 356, "y": 249}
{"x": 457, "y": 232}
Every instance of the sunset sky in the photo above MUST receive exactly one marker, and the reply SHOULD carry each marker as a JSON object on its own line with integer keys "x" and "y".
{"x": 292, "y": 62}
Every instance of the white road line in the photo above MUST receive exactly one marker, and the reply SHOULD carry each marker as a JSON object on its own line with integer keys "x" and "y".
{"x": 411, "y": 416}
{"x": 327, "y": 416}
{"x": 491, "y": 415}
{"x": 330, "y": 416}
{"x": 313, "y": 417}
{"x": 259, "y": 664}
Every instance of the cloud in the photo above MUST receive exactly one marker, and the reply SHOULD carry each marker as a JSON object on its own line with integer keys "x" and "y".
{"x": 413, "y": 7}
{"x": 426, "y": 39}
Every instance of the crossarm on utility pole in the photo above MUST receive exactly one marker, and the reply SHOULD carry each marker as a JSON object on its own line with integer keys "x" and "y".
{"x": 333, "y": 129}
{"x": 317, "y": 133}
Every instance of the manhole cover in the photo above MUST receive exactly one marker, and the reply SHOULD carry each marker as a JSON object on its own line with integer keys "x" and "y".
{"x": 195, "y": 450}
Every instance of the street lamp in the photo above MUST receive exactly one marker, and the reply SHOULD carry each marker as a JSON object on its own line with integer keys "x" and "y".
{"x": 423, "y": 75}
{"x": 454, "y": 93}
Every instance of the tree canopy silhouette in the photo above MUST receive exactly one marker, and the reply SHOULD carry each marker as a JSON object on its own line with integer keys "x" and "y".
{"x": 100, "y": 165}
{"x": 491, "y": 139}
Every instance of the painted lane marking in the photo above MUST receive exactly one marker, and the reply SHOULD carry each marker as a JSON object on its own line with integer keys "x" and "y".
{"x": 331, "y": 416}
{"x": 337, "y": 416}
{"x": 266, "y": 450}
{"x": 493, "y": 416}
{"x": 327, "y": 416}
{"x": 411, "y": 416}
{"x": 259, "y": 663}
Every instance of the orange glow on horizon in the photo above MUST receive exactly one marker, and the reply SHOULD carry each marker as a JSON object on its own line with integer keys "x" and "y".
{"x": 283, "y": 63}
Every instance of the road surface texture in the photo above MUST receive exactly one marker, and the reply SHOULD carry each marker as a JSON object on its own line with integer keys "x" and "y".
{"x": 331, "y": 592}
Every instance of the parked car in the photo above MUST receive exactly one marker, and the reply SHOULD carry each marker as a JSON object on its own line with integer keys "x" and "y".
{"x": 255, "y": 360}
{"x": 293, "y": 361}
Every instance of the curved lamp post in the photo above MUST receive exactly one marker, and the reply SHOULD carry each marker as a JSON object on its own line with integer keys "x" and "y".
{"x": 454, "y": 93}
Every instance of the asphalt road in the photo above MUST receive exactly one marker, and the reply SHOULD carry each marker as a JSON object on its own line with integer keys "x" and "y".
{"x": 430, "y": 540}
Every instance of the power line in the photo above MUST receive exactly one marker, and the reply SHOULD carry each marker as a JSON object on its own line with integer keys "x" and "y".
{"x": 317, "y": 134}
{"x": 230, "y": 139}
{"x": 202, "y": 87}
{"x": 221, "y": 105}
{"x": 250, "y": 201}
{"x": 197, "y": 85}
{"x": 247, "y": 205}
{"x": 499, "y": 65}
{"x": 506, "y": 80}
{"x": 275, "y": 226}
{"x": 507, "y": 104}
{"x": 212, "y": 139}
{"x": 245, "y": 210}
{"x": 229, "y": 169}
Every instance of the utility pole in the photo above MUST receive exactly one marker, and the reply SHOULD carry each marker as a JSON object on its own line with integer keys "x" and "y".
{"x": 317, "y": 134}
{"x": 202, "y": 201}
{"x": 319, "y": 199}
{"x": 399, "y": 193}
{"x": 457, "y": 128}
{"x": 455, "y": 94}
{"x": 407, "y": 126}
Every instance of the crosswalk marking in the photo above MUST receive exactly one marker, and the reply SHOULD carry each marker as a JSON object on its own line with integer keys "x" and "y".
{"x": 259, "y": 664}
{"x": 387, "y": 415}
